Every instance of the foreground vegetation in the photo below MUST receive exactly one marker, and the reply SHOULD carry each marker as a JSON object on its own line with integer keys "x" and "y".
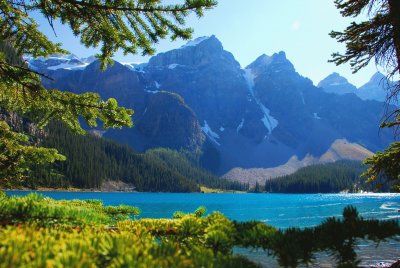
{"x": 40, "y": 232}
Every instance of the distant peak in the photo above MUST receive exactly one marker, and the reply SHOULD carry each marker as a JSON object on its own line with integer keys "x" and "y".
{"x": 280, "y": 55}
{"x": 200, "y": 51}
{"x": 334, "y": 79}
{"x": 89, "y": 59}
{"x": 72, "y": 57}
{"x": 262, "y": 60}
{"x": 204, "y": 42}
{"x": 335, "y": 74}
{"x": 277, "y": 61}
{"x": 375, "y": 88}
{"x": 195, "y": 42}
{"x": 377, "y": 77}
{"x": 335, "y": 83}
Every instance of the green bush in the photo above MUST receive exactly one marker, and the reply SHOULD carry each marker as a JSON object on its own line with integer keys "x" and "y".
{"x": 42, "y": 232}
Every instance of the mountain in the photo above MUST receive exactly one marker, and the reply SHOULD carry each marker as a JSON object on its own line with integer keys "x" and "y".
{"x": 198, "y": 98}
{"x": 375, "y": 88}
{"x": 311, "y": 120}
{"x": 339, "y": 150}
{"x": 334, "y": 83}
{"x": 55, "y": 62}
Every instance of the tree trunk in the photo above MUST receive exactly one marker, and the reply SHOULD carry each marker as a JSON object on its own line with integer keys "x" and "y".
{"x": 394, "y": 14}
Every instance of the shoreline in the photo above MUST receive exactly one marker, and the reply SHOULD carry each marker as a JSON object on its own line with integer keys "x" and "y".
{"x": 79, "y": 190}
{"x": 67, "y": 190}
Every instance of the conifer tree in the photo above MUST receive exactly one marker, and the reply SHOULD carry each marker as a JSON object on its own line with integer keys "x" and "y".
{"x": 376, "y": 39}
{"x": 133, "y": 26}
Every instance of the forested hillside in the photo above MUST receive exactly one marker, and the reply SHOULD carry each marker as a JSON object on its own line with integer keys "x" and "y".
{"x": 188, "y": 163}
{"x": 91, "y": 160}
{"x": 325, "y": 178}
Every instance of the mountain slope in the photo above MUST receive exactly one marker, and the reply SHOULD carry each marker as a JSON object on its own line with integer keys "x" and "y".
{"x": 198, "y": 98}
{"x": 93, "y": 162}
{"x": 339, "y": 150}
{"x": 375, "y": 88}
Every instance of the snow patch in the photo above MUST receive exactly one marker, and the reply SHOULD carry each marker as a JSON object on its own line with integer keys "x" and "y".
{"x": 249, "y": 76}
{"x": 58, "y": 57}
{"x": 172, "y": 66}
{"x": 269, "y": 121}
{"x": 336, "y": 84}
{"x": 27, "y": 57}
{"x": 221, "y": 129}
{"x": 240, "y": 126}
{"x": 157, "y": 84}
{"x": 210, "y": 134}
{"x": 131, "y": 65}
{"x": 302, "y": 98}
{"x": 152, "y": 91}
{"x": 195, "y": 42}
{"x": 316, "y": 116}
{"x": 139, "y": 69}
{"x": 68, "y": 66}
{"x": 55, "y": 62}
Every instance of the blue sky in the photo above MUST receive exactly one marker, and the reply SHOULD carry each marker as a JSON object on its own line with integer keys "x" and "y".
{"x": 251, "y": 28}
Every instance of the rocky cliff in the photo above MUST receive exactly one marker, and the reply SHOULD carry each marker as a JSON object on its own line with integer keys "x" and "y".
{"x": 198, "y": 97}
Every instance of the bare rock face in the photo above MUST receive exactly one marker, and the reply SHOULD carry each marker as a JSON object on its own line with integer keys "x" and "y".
{"x": 161, "y": 119}
{"x": 198, "y": 97}
{"x": 116, "y": 186}
{"x": 200, "y": 52}
{"x": 169, "y": 122}
{"x": 340, "y": 149}
{"x": 259, "y": 175}
{"x": 209, "y": 79}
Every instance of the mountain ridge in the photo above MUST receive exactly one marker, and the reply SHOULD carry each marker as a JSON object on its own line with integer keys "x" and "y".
{"x": 255, "y": 117}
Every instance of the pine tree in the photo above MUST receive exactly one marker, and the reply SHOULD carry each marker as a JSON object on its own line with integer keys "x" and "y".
{"x": 377, "y": 39}
{"x": 130, "y": 25}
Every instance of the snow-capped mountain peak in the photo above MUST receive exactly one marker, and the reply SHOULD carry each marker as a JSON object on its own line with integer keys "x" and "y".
{"x": 195, "y": 42}
{"x": 55, "y": 61}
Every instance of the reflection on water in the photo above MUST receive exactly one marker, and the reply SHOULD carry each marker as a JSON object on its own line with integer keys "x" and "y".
{"x": 370, "y": 254}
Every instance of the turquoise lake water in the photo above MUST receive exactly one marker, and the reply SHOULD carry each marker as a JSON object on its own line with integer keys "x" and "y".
{"x": 279, "y": 210}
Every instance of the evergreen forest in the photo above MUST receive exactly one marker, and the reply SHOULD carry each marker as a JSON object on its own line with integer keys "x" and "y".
{"x": 91, "y": 160}
{"x": 334, "y": 177}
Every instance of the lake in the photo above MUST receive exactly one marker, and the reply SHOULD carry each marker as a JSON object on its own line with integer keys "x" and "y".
{"x": 279, "y": 210}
